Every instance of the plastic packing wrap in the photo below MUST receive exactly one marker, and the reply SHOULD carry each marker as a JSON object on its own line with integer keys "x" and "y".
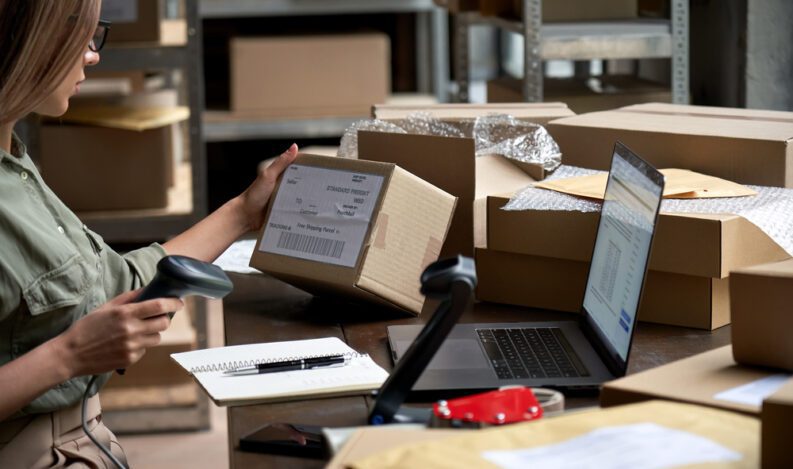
{"x": 771, "y": 209}
{"x": 493, "y": 134}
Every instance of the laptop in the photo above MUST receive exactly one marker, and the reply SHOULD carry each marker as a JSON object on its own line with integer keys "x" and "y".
{"x": 563, "y": 354}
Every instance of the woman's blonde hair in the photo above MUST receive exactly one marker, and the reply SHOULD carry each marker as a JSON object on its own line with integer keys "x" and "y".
{"x": 40, "y": 40}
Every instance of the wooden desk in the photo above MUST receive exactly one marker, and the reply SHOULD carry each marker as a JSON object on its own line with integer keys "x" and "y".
{"x": 262, "y": 309}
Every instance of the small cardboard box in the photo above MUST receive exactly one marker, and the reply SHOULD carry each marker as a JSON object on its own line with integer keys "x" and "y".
{"x": 741, "y": 145}
{"x": 762, "y": 330}
{"x": 125, "y": 157}
{"x": 142, "y": 21}
{"x": 458, "y": 6}
{"x": 614, "y": 92}
{"x": 776, "y": 415}
{"x": 359, "y": 228}
{"x": 700, "y": 379}
{"x": 564, "y": 10}
{"x": 559, "y": 284}
{"x": 309, "y": 76}
{"x": 451, "y": 162}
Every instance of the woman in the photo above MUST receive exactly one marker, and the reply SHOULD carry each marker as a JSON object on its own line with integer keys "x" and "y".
{"x": 65, "y": 311}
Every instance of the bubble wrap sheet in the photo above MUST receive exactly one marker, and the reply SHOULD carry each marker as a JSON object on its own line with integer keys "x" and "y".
{"x": 771, "y": 209}
{"x": 493, "y": 134}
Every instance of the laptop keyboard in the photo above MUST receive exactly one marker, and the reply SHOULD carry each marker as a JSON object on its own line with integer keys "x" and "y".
{"x": 531, "y": 353}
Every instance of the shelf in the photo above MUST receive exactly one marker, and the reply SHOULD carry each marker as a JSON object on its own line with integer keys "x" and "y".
{"x": 152, "y": 56}
{"x": 220, "y": 126}
{"x": 242, "y": 8}
{"x": 597, "y": 40}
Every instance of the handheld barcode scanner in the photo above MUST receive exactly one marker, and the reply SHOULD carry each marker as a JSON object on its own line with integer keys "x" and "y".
{"x": 177, "y": 277}
{"x": 452, "y": 281}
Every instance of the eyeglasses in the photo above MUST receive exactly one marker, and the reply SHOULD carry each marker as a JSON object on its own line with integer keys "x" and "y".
{"x": 100, "y": 36}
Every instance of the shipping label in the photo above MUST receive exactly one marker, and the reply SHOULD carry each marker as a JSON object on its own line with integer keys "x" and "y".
{"x": 321, "y": 214}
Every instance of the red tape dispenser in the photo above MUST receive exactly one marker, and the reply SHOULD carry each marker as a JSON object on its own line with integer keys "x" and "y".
{"x": 509, "y": 405}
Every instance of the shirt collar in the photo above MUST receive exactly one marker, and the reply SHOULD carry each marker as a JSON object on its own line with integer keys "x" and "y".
{"x": 18, "y": 149}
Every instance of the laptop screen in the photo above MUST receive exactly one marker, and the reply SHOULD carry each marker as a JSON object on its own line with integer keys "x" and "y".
{"x": 622, "y": 250}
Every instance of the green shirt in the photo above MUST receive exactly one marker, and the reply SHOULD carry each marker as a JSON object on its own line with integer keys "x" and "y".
{"x": 53, "y": 270}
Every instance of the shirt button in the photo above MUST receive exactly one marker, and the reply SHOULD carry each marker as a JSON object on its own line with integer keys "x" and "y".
{"x": 24, "y": 175}
{"x": 61, "y": 230}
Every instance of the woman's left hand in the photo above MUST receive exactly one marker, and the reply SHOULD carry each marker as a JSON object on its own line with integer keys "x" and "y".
{"x": 255, "y": 197}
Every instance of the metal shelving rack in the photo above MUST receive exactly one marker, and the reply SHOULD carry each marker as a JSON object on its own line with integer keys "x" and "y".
{"x": 431, "y": 58}
{"x": 621, "y": 39}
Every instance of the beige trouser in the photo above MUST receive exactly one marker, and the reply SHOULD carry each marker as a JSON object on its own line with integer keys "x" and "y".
{"x": 57, "y": 440}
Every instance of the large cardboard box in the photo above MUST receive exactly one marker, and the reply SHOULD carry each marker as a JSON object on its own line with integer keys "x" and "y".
{"x": 741, "y": 145}
{"x": 559, "y": 284}
{"x": 762, "y": 331}
{"x": 612, "y": 92}
{"x": 451, "y": 162}
{"x": 125, "y": 157}
{"x": 700, "y": 379}
{"x": 142, "y": 21}
{"x": 692, "y": 256}
{"x": 358, "y": 228}
{"x": 776, "y": 415}
{"x": 309, "y": 76}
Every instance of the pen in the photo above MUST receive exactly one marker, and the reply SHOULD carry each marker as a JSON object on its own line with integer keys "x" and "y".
{"x": 290, "y": 365}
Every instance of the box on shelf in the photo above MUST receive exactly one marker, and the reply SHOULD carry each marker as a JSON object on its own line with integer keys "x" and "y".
{"x": 775, "y": 420}
{"x": 762, "y": 330}
{"x": 741, "y": 145}
{"x": 358, "y": 228}
{"x": 611, "y": 92}
{"x": 451, "y": 163}
{"x": 124, "y": 155}
{"x": 143, "y": 21}
{"x": 564, "y": 10}
{"x": 701, "y": 379}
{"x": 692, "y": 255}
{"x": 309, "y": 76}
{"x": 458, "y": 6}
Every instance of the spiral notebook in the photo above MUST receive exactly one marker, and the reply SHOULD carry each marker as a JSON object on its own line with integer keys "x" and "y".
{"x": 359, "y": 376}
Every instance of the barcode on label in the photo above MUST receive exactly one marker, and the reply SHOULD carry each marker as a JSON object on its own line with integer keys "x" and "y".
{"x": 311, "y": 244}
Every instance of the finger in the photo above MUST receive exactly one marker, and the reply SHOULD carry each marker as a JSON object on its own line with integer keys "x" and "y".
{"x": 279, "y": 165}
{"x": 156, "y": 307}
{"x": 150, "y": 340}
{"x": 155, "y": 324}
{"x": 124, "y": 298}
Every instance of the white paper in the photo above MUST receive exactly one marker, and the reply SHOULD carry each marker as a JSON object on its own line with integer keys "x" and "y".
{"x": 238, "y": 257}
{"x": 120, "y": 11}
{"x": 755, "y": 392}
{"x": 321, "y": 214}
{"x": 645, "y": 445}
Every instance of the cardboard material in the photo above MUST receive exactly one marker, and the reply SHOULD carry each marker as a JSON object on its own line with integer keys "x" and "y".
{"x": 368, "y": 441}
{"x": 741, "y": 145}
{"x": 557, "y": 10}
{"x": 739, "y": 433}
{"x": 704, "y": 245}
{"x": 762, "y": 315}
{"x": 695, "y": 379}
{"x": 142, "y": 21}
{"x": 309, "y": 76}
{"x": 612, "y": 92}
{"x": 680, "y": 184}
{"x": 451, "y": 164}
{"x": 408, "y": 226}
{"x": 538, "y": 113}
{"x": 558, "y": 284}
{"x": 775, "y": 417}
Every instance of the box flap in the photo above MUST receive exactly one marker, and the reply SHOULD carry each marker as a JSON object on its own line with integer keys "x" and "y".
{"x": 411, "y": 227}
{"x": 532, "y": 112}
{"x": 679, "y": 119}
{"x": 695, "y": 379}
{"x": 126, "y": 118}
{"x": 782, "y": 269}
{"x": 445, "y": 162}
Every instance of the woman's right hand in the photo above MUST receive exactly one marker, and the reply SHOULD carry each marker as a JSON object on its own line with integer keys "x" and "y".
{"x": 116, "y": 334}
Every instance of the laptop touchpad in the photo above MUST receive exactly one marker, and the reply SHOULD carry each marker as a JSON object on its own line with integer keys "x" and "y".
{"x": 453, "y": 354}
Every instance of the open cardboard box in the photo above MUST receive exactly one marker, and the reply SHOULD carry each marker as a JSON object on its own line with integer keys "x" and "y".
{"x": 741, "y": 145}
{"x": 451, "y": 162}
{"x": 692, "y": 256}
{"x": 762, "y": 330}
{"x": 361, "y": 229}
{"x": 699, "y": 379}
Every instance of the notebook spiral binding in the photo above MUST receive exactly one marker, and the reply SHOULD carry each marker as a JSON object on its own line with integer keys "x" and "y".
{"x": 233, "y": 365}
